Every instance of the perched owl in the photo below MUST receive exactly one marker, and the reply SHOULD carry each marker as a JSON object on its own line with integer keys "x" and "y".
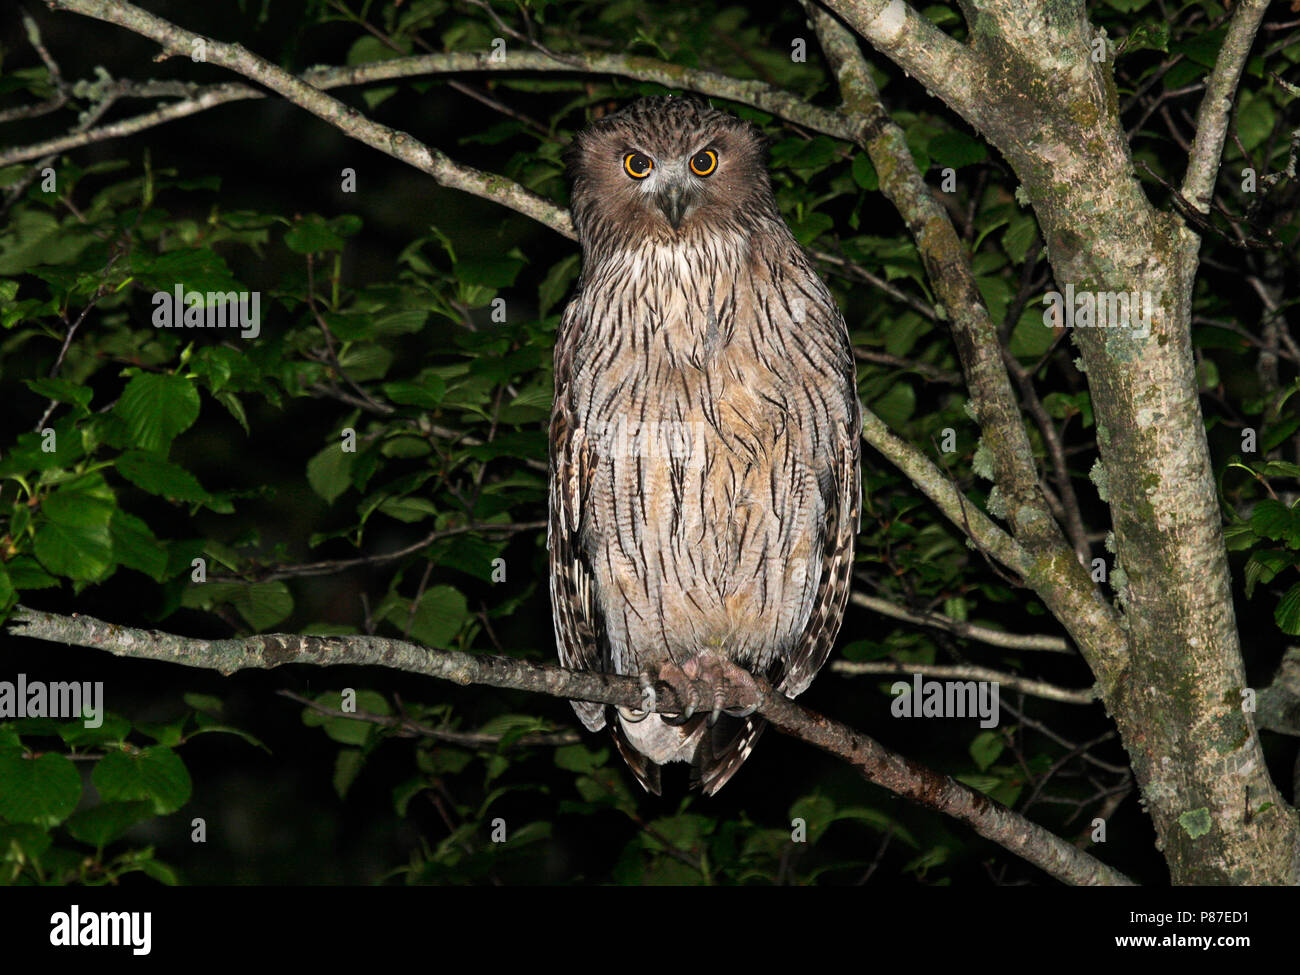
{"x": 704, "y": 441}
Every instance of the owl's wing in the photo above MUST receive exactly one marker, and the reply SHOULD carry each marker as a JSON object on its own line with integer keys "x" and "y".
{"x": 842, "y": 494}
{"x": 579, "y": 630}
{"x": 725, "y": 746}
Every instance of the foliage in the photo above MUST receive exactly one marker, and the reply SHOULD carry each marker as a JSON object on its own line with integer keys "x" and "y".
{"x": 200, "y": 479}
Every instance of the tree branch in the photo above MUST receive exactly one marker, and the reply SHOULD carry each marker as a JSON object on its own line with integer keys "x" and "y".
{"x": 997, "y": 638}
{"x": 399, "y": 145}
{"x": 198, "y": 98}
{"x": 1034, "y": 688}
{"x": 984, "y": 533}
{"x": 1060, "y": 580}
{"x": 1216, "y": 107}
{"x": 926, "y": 53}
{"x": 877, "y": 764}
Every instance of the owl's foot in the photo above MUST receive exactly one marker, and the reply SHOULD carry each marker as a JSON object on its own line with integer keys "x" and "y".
{"x": 703, "y": 682}
{"x": 637, "y": 715}
{"x": 690, "y": 692}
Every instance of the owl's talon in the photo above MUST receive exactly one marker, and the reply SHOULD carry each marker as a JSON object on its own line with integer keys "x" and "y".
{"x": 717, "y": 707}
{"x": 683, "y": 689}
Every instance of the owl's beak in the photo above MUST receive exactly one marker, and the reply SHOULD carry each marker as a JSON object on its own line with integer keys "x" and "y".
{"x": 674, "y": 200}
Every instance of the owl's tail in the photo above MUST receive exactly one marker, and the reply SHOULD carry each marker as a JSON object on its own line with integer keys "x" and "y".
{"x": 723, "y": 749}
{"x": 715, "y": 754}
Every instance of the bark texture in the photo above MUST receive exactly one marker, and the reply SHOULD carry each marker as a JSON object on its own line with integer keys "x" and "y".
{"x": 1031, "y": 81}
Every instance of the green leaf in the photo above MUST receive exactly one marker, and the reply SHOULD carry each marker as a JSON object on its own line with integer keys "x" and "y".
{"x": 1149, "y": 35}
{"x": 159, "y": 871}
{"x": 897, "y": 405}
{"x": 313, "y": 234}
{"x": 347, "y": 730}
{"x": 812, "y": 226}
{"x": 488, "y": 272}
{"x": 102, "y": 824}
{"x": 405, "y": 792}
{"x": 1031, "y": 338}
{"x": 135, "y": 547}
{"x": 1263, "y": 565}
{"x": 556, "y": 283}
{"x": 62, "y": 391}
{"x": 43, "y": 790}
{"x": 864, "y": 173}
{"x": 1287, "y": 613}
{"x": 438, "y": 618}
{"x": 262, "y": 604}
{"x": 112, "y": 728}
{"x": 209, "y": 725}
{"x": 347, "y": 765}
{"x": 208, "y": 703}
{"x": 168, "y": 733}
{"x": 157, "y": 408}
{"x": 817, "y": 812}
{"x": 956, "y": 149}
{"x": 580, "y": 758}
{"x": 364, "y": 361}
{"x": 879, "y": 821}
{"x": 155, "y": 774}
{"x": 73, "y": 538}
{"x": 1255, "y": 119}
{"x": 152, "y": 472}
{"x": 1019, "y": 237}
{"x": 22, "y": 841}
{"x": 425, "y": 393}
{"x": 330, "y": 472}
{"x": 985, "y": 748}
{"x": 24, "y": 573}
{"x": 1271, "y": 519}
{"x": 195, "y": 269}
{"x": 409, "y": 509}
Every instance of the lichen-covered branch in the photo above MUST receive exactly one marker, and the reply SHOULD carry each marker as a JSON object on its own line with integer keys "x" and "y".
{"x": 1036, "y": 91}
{"x": 1216, "y": 106}
{"x": 877, "y": 764}
{"x": 1060, "y": 578}
{"x": 921, "y": 49}
{"x": 984, "y": 533}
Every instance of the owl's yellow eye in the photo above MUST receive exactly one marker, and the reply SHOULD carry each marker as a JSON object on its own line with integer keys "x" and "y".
{"x": 704, "y": 163}
{"x": 638, "y": 165}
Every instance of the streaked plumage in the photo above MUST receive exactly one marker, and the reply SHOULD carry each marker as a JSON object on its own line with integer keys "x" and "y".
{"x": 705, "y": 432}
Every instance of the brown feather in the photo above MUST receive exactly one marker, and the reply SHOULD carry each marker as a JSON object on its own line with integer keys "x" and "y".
{"x": 705, "y": 485}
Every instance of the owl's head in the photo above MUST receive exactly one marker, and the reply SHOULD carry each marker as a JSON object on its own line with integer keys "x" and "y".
{"x": 668, "y": 169}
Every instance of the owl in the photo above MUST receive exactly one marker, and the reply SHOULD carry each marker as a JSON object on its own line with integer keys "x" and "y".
{"x": 704, "y": 439}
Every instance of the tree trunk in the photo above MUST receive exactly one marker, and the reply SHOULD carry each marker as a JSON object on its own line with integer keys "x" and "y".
{"x": 1043, "y": 100}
